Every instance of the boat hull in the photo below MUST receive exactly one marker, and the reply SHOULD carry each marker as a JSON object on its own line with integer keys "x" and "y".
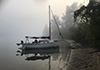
{"x": 40, "y": 45}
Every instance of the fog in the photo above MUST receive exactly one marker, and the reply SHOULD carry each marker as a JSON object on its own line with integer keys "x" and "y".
{"x": 64, "y": 22}
{"x": 19, "y": 18}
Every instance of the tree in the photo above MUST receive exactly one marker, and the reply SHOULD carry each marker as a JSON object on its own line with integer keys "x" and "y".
{"x": 68, "y": 20}
{"x": 90, "y": 21}
{"x": 54, "y": 29}
{"x": 65, "y": 24}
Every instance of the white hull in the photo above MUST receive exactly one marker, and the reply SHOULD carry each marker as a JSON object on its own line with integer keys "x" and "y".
{"x": 39, "y": 45}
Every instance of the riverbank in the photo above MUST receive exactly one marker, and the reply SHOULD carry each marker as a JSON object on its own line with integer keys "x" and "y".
{"x": 84, "y": 59}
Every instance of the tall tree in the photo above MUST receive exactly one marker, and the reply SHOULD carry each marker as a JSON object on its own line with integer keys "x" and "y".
{"x": 90, "y": 21}
{"x": 68, "y": 20}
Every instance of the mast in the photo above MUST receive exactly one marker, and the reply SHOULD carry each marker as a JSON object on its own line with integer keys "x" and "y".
{"x": 51, "y": 12}
{"x": 49, "y": 24}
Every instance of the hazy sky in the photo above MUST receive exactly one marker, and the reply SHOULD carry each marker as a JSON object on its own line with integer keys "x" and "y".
{"x": 28, "y": 17}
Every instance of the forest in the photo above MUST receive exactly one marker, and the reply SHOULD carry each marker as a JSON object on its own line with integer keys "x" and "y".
{"x": 79, "y": 23}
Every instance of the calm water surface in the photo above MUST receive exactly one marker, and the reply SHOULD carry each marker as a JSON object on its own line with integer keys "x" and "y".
{"x": 46, "y": 59}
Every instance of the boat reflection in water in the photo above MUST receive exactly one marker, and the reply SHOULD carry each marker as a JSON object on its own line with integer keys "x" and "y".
{"x": 33, "y": 58}
{"x": 39, "y": 54}
{"x": 40, "y": 51}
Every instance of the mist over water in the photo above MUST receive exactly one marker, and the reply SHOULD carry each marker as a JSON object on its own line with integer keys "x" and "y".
{"x": 19, "y": 18}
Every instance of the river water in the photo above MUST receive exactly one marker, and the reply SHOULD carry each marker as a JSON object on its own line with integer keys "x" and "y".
{"x": 46, "y": 59}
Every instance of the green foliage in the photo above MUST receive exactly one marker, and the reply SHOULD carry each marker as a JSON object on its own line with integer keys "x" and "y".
{"x": 86, "y": 28}
{"x": 89, "y": 21}
{"x": 77, "y": 34}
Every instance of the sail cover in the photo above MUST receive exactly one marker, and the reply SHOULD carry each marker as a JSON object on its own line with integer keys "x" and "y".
{"x": 43, "y": 37}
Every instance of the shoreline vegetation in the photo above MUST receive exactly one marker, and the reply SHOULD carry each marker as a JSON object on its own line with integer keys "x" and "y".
{"x": 79, "y": 23}
{"x": 87, "y": 19}
{"x": 84, "y": 29}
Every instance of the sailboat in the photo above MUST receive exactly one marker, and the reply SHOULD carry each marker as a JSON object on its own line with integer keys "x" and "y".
{"x": 46, "y": 41}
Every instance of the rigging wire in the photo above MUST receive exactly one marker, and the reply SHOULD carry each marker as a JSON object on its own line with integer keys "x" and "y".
{"x": 57, "y": 25}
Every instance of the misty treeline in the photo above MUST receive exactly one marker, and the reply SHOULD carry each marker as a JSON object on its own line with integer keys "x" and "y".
{"x": 81, "y": 25}
{"x": 89, "y": 23}
{"x": 64, "y": 23}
